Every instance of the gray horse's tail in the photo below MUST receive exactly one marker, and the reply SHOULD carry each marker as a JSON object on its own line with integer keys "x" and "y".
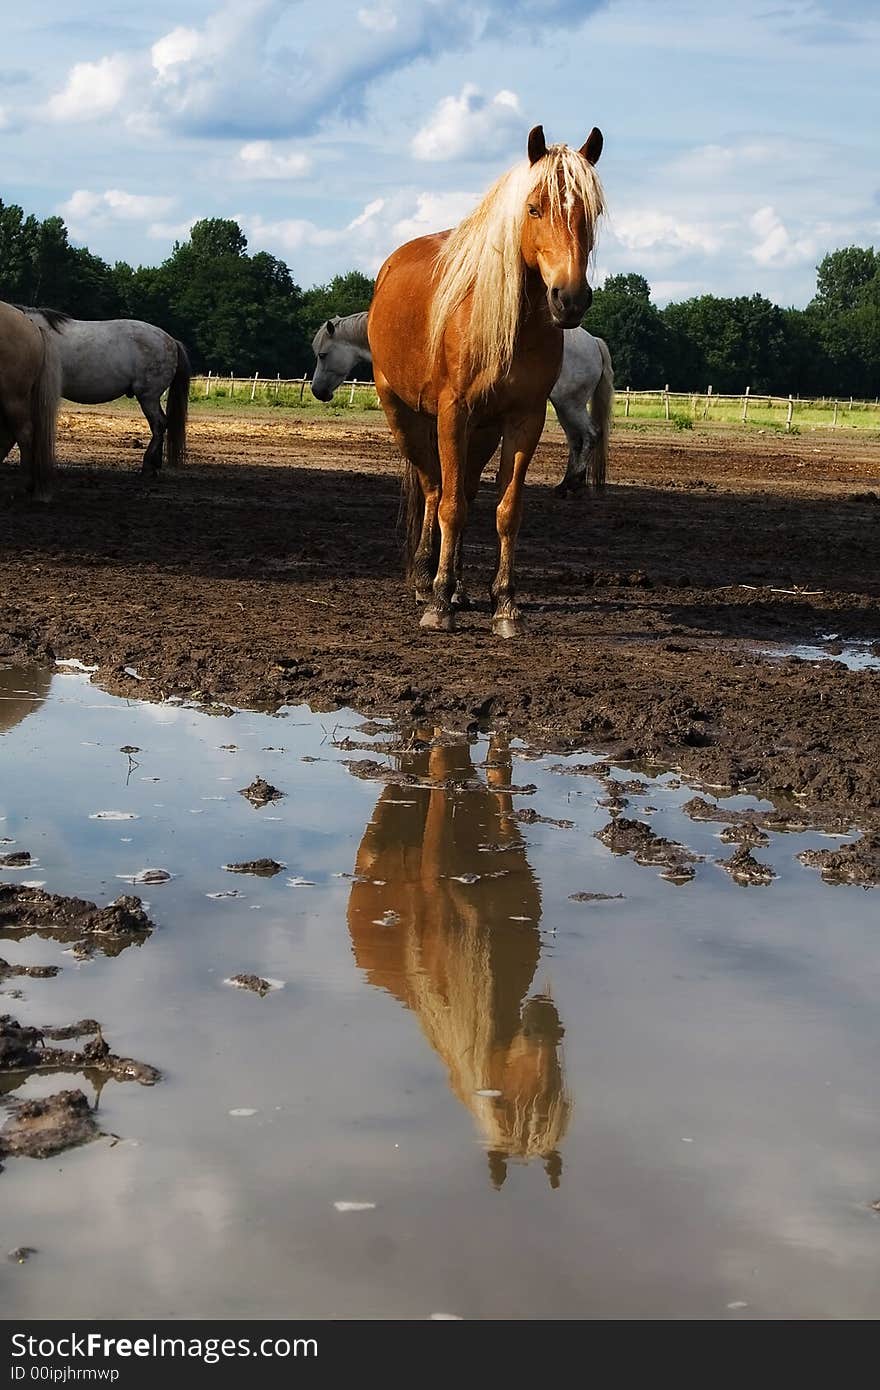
{"x": 412, "y": 511}
{"x": 176, "y": 409}
{"x": 45, "y": 394}
{"x": 601, "y": 409}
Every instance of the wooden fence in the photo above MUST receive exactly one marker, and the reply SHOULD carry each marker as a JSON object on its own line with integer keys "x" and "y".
{"x": 682, "y": 408}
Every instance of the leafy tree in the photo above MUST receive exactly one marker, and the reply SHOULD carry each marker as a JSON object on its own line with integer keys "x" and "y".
{"x": 739, "y": 342}
{"x": 38, "y": 265}
{"x": 345, "y": 294}
{"x": 622, "y": 314}
{"x": 842, "y": 277}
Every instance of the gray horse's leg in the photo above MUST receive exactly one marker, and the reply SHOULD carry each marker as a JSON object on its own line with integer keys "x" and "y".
{"x": 152, "y": 409}
{"x": 581, "y": 435}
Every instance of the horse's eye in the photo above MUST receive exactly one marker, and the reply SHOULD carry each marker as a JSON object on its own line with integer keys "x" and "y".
{"x": 321, "y": 356}
{"x": 533, "y": 211}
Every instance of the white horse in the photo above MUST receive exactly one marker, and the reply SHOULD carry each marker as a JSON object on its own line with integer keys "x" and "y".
{"x": 104, "y": 359}
{"x": 586, "y": 375}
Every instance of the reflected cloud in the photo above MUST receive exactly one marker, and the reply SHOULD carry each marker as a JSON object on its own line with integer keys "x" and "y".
{"x": 444, "y": 914}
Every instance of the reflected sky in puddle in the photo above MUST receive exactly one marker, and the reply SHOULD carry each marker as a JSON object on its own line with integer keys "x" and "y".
{"x": 855, "y": 656}
{"x": 473, "y": 1095}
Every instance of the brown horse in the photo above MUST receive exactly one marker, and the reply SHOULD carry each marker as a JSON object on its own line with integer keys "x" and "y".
{"x": 465, "y": 331}
{"x": 444, "y": 914}
{"x": 30, "y": 385}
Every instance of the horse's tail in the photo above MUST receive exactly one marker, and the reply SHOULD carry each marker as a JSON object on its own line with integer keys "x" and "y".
{"x": 45, "y": 394}
{"x": 601, "y": 409}
{"x": 412, "y": 510}
{"x": 176, "y": 410}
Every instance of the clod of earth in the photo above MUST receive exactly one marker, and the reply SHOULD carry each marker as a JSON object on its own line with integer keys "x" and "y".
{"x": 699, "y": 809}
{"x": 255, "y": 983}
{"x": 24, "y": 1049}
{"x": 746, "y": 870}
{"x": 597, "y": 770}
{"x": 34, "y": 972}
{"x": 18, "y": 859}
{"x": 624, "y": 836}
{"x": 260, "y": 792}
{"x": 21, "y": 1254}
{"x": 529, "y": 817}
{"x": 111, "y": 929}
{"x": 264, "y": 868}
{"x": 747, "y": 834}
{"x": 41, "y": 1128}
{"x": 595, "y": 897}
{"x": 856, "y": 863}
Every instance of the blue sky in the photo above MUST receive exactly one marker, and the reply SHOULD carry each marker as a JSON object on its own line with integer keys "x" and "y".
{"x": 740, "y": 139}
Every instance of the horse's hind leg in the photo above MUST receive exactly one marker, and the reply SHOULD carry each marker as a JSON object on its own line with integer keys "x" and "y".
{"x": 581, "y": 435}
{"x": 416, "y": 438}
{"x": 152, "y": 408}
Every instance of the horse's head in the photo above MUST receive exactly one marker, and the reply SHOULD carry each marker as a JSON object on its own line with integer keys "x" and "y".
{"x": 335, "y": 360}
{"x": 563, "y": 203}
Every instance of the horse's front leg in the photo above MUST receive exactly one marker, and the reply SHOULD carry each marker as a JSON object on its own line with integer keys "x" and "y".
{"x": 521, "y": 435}
{"x": 424, "y": 564}
{"x": 452, "y": 427}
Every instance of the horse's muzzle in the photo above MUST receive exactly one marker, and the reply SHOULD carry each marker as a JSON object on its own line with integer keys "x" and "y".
{"x": 566, "y": 307}
{"x": 321, "y": 393}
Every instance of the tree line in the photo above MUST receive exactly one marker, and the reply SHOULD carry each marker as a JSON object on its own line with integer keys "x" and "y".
{"x": 245, "y": 313}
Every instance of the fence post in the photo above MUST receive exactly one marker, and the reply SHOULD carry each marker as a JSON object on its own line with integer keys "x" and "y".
{"x": 277, "y": 385}
{"x": 746, "y": 404}
{"x": 254, "y": 387}
{"x": 790, "y": 413}
{"x": 834, "y": 421}
{"x": 351, "y": 392}
{"x": 626, "y": 405}
{"x": 708, "y": 402}
{"x": 302, "y": 389}
{"x": 666, "y": 400}
{"x": 208, "y": 382}
{"x": 231, "y": 386}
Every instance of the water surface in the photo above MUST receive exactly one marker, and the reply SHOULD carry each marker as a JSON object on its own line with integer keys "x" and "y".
{"x": 663, "y": 1105}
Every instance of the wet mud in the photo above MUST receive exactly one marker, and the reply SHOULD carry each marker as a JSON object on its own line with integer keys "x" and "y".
{"x": 268, "y": 573}
{"x": 110, "y": 929}
{"x": 41, "y": 1128}
{"x": 26, "y": 1049}
{"x": 624, "y": 836}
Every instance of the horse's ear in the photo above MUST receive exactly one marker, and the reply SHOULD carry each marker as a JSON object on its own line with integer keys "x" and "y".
{"x": 537, "y": 144}
{"x": 592, "y": 146}
{"x": 331, "y": 327}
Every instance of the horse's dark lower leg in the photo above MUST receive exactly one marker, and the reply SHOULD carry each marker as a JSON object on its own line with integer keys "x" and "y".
{"x": 424, "y": 565}
{"x": 519, "y": 444}
{"x": 452, "y": 441}
{"x": 155, "y": 416}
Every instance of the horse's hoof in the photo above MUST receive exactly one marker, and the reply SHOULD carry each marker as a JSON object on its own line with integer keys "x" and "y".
{"x": 433, "y": 620}
{"x": 507, "y": 627}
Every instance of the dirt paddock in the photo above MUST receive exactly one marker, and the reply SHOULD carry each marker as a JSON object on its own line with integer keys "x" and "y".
{"x": 268, "y": 572}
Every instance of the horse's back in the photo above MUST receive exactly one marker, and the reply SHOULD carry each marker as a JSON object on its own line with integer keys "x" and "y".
{"x": 106, "y": 358}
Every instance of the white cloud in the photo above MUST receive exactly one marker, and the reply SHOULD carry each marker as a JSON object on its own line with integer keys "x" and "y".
{"x": 181, "y": 45}
{"x": 776, "y": 245}
{"x": 259, "y": 160}
{"x": 286, "y": 234}
{"x": 370, "y": 211}
{"x": 91, "y": 90}
{"x": 651, "y": 230}
{"x": 382, "y": 19}
{"x": 469, "y": 125}
{"x": 434, "y": 212}
{"x": 171, "y": 231}
{"x": 86, "y": 209}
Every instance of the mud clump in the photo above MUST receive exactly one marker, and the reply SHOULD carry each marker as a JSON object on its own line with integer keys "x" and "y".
{"x": 41, "y": 1128}
{"x": 529, "y": 817}
{"x": 746, "y": 870}
{"x": 255, "y": 983}
{"x": 24, "y": 1048}
{"x": 625, "y": 836}
{"x": 747, "y": 834}
{"x": 18, "y": 859}
{"x": 263, "y": 868}
{"x": 112, "y": 928}
{"x": 857, "y": 863}
{"x": 260, "y": 792}
{"x": 33, "y": 972}
{"x": 595, "y": 897}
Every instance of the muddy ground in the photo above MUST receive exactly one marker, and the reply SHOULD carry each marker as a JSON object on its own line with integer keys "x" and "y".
{"x": 268, "y": 572}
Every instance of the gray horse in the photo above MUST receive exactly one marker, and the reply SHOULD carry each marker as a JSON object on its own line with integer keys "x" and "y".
{"x": 104, "y": 359}
{"x": 586, "y": 374}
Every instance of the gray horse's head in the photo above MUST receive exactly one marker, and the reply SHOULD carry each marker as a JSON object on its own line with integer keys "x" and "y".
{"x": 335, "y": 356}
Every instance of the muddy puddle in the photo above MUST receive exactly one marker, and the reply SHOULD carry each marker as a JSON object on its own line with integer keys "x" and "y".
{"x": 447, "y": 1029}
{"x": 862, "y": 655}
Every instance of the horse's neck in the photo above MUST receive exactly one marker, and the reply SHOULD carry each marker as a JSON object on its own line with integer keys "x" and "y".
{"x": 353, "y": 330}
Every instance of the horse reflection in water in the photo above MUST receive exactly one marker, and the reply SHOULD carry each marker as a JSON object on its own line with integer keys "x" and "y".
{"x": 444, "y": 914}
{"x": 22, "y": 691}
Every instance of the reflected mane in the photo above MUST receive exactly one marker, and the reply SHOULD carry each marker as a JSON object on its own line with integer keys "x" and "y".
{"x": 482, "y": 255}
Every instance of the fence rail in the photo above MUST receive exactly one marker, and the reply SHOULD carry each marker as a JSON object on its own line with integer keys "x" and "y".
{"x": 681, "y": 408}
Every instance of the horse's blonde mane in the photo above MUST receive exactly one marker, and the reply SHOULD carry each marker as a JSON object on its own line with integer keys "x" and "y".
{"x": 482, "y": 257}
